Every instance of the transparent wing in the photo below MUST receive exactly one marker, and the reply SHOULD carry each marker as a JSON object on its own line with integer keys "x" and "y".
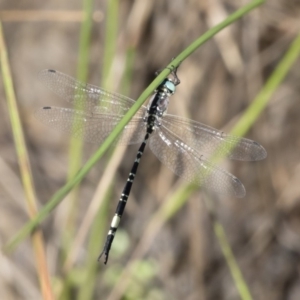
{"x": 94, "y": 128}
{"x": 88, "y": 96}
{"x": 205, "y": 139}
{"x": 189, "y": 164}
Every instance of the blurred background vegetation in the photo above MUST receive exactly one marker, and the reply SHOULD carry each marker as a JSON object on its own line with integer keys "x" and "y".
{"x": 119, "y": 45}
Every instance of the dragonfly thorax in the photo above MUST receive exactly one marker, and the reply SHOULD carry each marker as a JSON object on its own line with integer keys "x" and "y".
{"x": 158, "y": 104}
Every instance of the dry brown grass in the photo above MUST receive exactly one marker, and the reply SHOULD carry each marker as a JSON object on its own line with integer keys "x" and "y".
{"x": 217, "y": 83}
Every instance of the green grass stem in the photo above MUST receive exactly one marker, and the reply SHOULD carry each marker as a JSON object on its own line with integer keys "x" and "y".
{"x": 25, "y": 169}
{"x": 76, "y": 144}
{"x": 86, "y": 289}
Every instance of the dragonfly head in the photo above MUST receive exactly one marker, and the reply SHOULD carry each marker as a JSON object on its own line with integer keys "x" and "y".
{"x": 169, "y": 86}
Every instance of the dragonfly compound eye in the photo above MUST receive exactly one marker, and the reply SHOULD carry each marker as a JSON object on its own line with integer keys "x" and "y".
{"x": 170, "y": 86}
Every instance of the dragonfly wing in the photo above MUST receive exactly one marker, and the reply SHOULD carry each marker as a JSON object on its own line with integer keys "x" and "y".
{"x": 190, "y": 165}
{"x": 93, "y": 128}
{"x": 208, "y": 140}
{"x": 87, "y": 96}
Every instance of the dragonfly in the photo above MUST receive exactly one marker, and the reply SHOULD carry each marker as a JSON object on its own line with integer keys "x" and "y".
{"x": 183, "y": 145}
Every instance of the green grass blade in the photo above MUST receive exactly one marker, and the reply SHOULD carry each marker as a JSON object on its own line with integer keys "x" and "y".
{"x": 262, "y": 99}
{"x": 76, "y": 144}
{"x": 91, "y": 266}
{"x": 111, "y": 31}
{"x": 25, "y": 169}
{"x": 85, "y": 38}
{"x": 235, "y": 271}
{"x": 82, "y": 74}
